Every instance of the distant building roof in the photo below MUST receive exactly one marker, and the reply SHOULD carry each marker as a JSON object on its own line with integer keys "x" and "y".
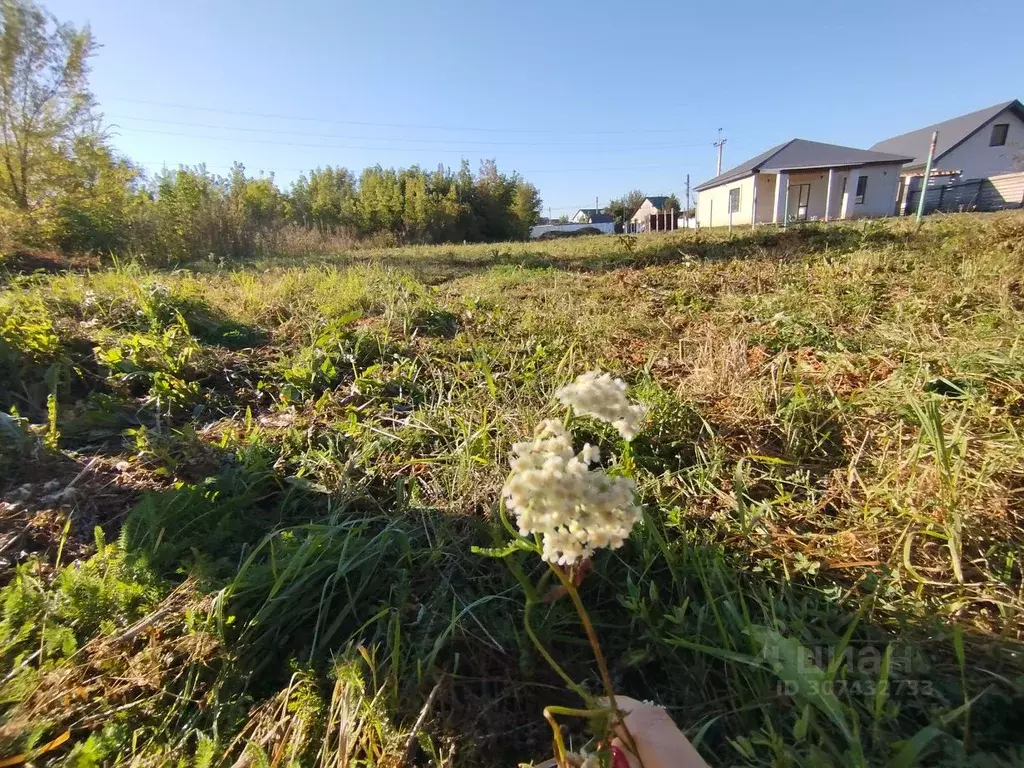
{"x": 595, "y": 215}
{"x": 952, "y": 133}
{"x": 797, "y": 154}
{"x": 658, "y": 201}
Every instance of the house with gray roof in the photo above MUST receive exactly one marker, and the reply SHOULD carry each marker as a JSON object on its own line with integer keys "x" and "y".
{"x": 651, "y": 206}
{"x": 977, "y": 145}
{"x": 978, "y": 156}
{"x": 591, "y": 216}
{"x": 801, "y": 180}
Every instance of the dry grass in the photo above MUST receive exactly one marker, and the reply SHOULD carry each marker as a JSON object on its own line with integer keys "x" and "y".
{"x": 832, "y": 461}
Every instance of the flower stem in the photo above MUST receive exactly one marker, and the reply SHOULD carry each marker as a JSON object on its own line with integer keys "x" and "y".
{"x": 602, "y": 665}
{"x": 549, "y": 715}
{"x": 576, "y": 688}
{"x": 588, "y": 627}
{"x": 556, "y": 731}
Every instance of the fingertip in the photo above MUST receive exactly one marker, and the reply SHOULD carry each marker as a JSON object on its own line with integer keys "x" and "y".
{"x": 621, "y": 756}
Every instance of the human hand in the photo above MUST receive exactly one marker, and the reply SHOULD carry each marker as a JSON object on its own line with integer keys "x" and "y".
{"x": 657, "y": 739}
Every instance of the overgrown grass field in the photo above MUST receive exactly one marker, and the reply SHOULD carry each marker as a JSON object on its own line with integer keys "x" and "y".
{"x": 239, "y": 500}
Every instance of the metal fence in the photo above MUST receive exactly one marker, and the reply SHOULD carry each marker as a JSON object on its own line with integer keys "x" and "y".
{"x": 991, "y": 194}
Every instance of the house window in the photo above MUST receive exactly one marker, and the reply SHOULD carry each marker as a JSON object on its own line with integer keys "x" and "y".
{"x": 734, "y": 200}
{"x": 999, "y": 131}
{"x": 862, "y": 189}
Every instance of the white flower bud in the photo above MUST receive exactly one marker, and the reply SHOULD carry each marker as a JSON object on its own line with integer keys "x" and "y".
{"x": 599, "y": 395}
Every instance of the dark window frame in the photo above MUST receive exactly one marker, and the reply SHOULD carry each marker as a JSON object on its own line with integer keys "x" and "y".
{"x": 734, "y": 208}
{"x": 803, "y": 203}
{"x": 1001, "y": 130}
{"x": 862, "y": 190}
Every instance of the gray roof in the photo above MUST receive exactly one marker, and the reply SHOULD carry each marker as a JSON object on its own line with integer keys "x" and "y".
{"x": 596, "y": 216}
{"x": 952, "y": 133}
{"x": 657, "y": 200}
{"x": 800, "y": 153}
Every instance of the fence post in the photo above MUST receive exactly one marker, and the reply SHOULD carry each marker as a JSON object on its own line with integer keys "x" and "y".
{"x": 927, "y": 173}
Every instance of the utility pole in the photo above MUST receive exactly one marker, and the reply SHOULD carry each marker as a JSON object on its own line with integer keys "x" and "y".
{"x": 720, "y": 143}
{"x": 686, "y": 214}
{"x": 927, "y": 174}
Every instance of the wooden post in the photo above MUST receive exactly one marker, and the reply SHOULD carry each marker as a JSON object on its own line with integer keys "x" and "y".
{"x": 711, "y": 213}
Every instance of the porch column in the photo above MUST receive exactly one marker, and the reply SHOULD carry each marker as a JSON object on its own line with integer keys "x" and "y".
{"x": 851, "y": 194}
{"x": 828, "y": 194}
{"x": 753, "y": 204}
{"x": 781, "y": 193}
{"x": 835, "y": 194}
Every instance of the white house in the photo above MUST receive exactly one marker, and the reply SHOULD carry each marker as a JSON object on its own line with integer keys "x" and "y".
{"x": 584, "y": 218}
{"x": 802, "y": 180}
{"x": 649, "y": 207}
{"x": 978, "y": 145}
{"x": 591, "y": 216}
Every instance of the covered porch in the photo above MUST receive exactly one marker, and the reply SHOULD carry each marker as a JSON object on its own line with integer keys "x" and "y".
{"x": 791, "y": 196}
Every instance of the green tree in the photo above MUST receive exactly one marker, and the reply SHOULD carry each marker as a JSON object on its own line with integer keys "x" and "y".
{"x": 326, "y": 200}
{"x": 380, "y": 201}
{"x": 671, "y": 204}
{"x": 256, "y": 202}
{"x": 45, "y": 104}
{"x": 96, "y": 198}
{"x": 526, "y": 206}
{"x": 623, "y": 208}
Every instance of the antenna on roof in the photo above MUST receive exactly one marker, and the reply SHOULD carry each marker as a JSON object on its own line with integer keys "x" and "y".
{"x": 720, "y": 143}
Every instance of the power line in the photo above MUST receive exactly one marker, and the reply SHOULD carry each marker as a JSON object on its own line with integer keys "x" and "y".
{"x": 391, "y": 125}
{"x": 166, "y": 164}
{"x": 247, "y": 129}
{"x": 382, "y": 149}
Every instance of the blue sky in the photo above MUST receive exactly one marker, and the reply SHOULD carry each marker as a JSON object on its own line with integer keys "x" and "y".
{"x": 587, "y": 100}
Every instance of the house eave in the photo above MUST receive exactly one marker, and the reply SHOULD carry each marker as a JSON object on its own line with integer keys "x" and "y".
{"x": 716, "y": 182}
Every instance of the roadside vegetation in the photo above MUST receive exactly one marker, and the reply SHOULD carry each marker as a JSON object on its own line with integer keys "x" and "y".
{"x": 239, "y": 500}
{"x": 65, "y": 191}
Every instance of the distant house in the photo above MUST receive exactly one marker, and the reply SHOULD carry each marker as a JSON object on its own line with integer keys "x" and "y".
{"x": 802, "y": 180}
{"x": 980, "y": 145}
{"x": 591, "y": 216}
{"x": 584, "y": 218}
{"x": 651, "y": 205}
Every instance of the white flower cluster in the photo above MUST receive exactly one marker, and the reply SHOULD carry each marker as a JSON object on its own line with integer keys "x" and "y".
{"x": 554, "y": 493}
{"x": 599, "y": 395}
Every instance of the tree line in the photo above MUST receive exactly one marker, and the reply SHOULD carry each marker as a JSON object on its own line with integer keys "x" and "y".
{"x": 63, "y": 186}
